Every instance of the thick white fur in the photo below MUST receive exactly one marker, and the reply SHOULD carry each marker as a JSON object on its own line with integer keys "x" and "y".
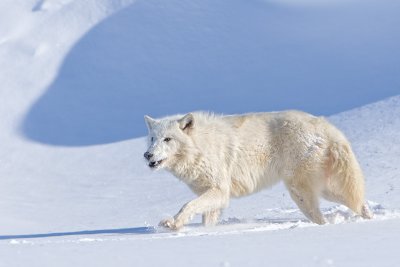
{"x": 220, "y": 157}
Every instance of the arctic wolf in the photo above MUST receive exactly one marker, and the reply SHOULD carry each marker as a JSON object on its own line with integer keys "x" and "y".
{"x": 220, "y": 157}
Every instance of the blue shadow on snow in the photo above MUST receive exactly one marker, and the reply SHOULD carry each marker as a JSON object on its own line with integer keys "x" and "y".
{"x": 164, "y": 57}
{"x": 136, "y": 231}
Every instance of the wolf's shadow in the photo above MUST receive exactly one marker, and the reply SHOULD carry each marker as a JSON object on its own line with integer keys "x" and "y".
{"x": 145, "y": 230}
{"x": 135, "y": 231}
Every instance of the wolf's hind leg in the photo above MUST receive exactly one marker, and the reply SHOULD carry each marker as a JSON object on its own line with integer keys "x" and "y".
{"x": 345, "y": 180}
{"x": 210, "y": 218}
{"x": 306, "y": 199}
{"x": 349, "y": 199}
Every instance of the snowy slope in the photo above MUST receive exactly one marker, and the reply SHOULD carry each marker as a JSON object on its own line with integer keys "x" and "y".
{"x": 76, "y": 78}
{"x": 163, "y": 57}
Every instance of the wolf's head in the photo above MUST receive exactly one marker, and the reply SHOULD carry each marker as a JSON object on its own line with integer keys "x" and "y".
{"x": 167, "y": 139}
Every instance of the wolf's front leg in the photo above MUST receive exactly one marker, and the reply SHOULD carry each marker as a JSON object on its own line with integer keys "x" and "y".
{"x": 210, "y": 218}
{"x": 212, "y": 200}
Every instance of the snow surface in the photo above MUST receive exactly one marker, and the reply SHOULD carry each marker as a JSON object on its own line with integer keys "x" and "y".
{"x": 76, "y": 78}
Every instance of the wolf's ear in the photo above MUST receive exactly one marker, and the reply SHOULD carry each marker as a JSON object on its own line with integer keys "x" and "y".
{"x": 186, "y": 123}
{"x": 149, "y": 121}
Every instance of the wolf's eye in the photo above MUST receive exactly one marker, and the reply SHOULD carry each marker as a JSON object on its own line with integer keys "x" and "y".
{"x": 167, "y": 139}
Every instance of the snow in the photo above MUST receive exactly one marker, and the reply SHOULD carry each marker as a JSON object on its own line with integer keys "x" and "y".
{"x": 76, "y": 78}
{"x": 146, "y": 59}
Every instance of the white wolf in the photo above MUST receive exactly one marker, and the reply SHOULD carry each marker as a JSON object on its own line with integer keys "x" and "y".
{"x": 220, "y": 157}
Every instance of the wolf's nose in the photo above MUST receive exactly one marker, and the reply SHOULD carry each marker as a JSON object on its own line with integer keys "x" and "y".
{"x": 148, "y": 155}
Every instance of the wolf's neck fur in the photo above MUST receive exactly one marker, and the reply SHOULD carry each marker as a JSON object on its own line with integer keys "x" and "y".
{"x": 182, "y": 167}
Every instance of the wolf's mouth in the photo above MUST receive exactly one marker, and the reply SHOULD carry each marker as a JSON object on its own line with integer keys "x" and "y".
{"x": 154, "y": 164}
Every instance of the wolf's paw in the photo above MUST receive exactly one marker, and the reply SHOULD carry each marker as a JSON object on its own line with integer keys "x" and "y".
{"x": 167, "y": 223}
{"x": 171, "y": 223}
